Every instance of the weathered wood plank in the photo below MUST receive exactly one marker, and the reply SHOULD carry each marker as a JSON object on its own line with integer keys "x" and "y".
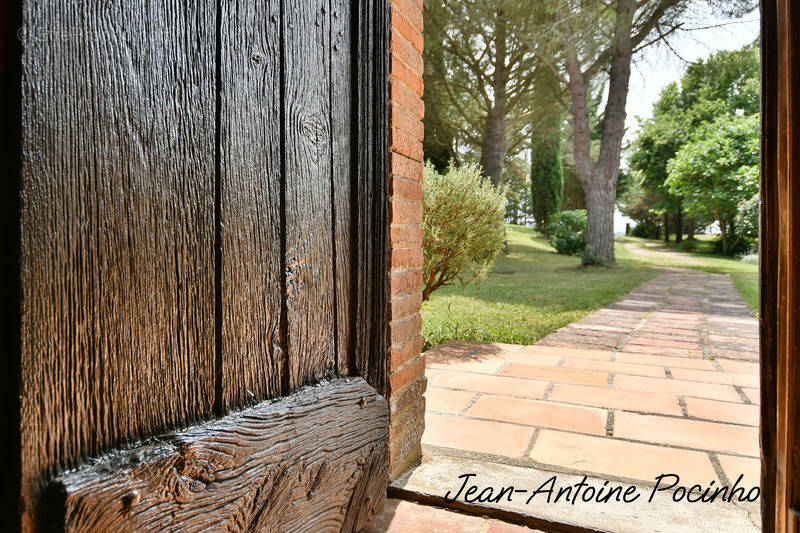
{"x": 342, "y": 122}
{"x": 314, "y": 461}
{"x": 250, "y": 202}
{"x": 371, "y": 297}
{"x": 309, "y": 236}
{"x": 117, "y": 226}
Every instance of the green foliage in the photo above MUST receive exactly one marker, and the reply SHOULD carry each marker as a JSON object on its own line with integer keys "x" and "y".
{"x": 747, "y": 219}
{"x": 646, "y": 230}
{"x": 546, "y": 173}
{"x": 721, "y": 92}
{"x": 688, "y": 245}
{"x": 547, "y": 179}
{"x": 567, "y": 232}
{"x": 529, "y": 293}
{"x": 738, "y": 246}
{"x": 462, "y": 217}
{"x": 718, "y": 170}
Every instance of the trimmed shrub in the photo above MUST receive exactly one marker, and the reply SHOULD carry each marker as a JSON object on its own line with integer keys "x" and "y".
{"x": 736, "y": 246}
{"x": 462, "y": 217}
{"x": 645, "y": 230}
{"x": 567, "y": 232}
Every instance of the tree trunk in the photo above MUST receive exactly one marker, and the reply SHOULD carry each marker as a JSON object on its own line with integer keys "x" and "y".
{"x": 723, "y": 230}
{"x": 679, "y": 224}
{"x": 599, "y": 227}
{"x": 666, "y": 226}
{"x": 493, "y": 148}
{"x": 600, "y": 181}
{"x": 690, "y": 228}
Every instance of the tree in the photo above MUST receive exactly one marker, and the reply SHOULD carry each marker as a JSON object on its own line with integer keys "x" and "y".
{"x": 439, "y": 144}
{"x": 597, "y": 38}
{"x": 480, "y": 73}
{"x": 547, "y": 173}
{"x": 718, "y": 170}
{"x": 725, "y": 84}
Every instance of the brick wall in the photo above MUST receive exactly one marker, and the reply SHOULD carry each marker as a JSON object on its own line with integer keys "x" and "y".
{"x": 407, "y": 371}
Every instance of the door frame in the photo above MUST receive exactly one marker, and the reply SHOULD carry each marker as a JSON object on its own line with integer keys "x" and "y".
{"x": 780, "y": 267}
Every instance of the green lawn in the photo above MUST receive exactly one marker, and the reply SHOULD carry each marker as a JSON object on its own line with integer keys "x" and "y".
{"x": 530, "y": 292}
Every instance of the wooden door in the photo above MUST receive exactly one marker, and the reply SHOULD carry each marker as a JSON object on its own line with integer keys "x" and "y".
{"x": 198, "y": 219}
{"x": 780, "y": 267}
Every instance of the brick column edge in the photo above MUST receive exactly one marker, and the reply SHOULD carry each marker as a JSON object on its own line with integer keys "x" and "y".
{"x": 407, "y": 381}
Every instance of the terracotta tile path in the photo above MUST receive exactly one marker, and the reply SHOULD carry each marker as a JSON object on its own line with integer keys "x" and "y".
{"x": 664, "y": 380}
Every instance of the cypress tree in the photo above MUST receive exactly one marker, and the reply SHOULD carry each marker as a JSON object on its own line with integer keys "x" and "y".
{"x": 547, "y": 174}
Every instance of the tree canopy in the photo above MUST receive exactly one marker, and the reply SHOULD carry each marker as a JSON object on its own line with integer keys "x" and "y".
{"x": 701, "y": 126}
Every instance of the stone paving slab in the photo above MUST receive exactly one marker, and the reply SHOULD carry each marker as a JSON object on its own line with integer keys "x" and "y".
{"x": 438, "y": 474}
{"x": 400, "y": 516}
{"x": 664, "y": 380}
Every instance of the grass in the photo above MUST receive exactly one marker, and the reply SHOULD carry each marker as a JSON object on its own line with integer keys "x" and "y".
{"x": 530, "y": 292}
{"x": 744, "y": 275}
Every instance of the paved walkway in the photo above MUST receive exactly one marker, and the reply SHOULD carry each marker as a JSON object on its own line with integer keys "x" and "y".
{"x": 665, "y": 380}
{"x": 408, "y": 517}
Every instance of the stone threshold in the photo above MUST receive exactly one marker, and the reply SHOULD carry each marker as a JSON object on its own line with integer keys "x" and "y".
{"x": 437, "y": 474}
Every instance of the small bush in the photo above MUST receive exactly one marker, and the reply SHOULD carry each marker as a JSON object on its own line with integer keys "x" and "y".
{"x": 749, "y": 258}
{"x": 589, "y": 257}
{"x": 689, "y": 245}
{"x": 645, "y": 230}
{"x": 736, "y": 246}
{"x": 567, "y": 232}
{"x": 462, "y": 217}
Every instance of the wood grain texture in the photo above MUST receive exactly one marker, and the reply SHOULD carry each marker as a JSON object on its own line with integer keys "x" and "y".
{"x": 314, "y": 461}
{"x": 117, "y": 192}
{"x": 371, "y": 297}
{"x": 342, "y": 126}
{"x": 768, "y": 269}
{"x": 250, "y": 202}
{"x": 784, "y": 258}
{"x": 309, "y": 235}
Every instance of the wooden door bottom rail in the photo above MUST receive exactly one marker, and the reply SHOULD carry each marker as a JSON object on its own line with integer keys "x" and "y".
{"x": 313, "y": 461}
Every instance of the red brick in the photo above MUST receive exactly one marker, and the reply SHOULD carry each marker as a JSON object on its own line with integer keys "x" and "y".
{"x": 404, "y": 143}
{"x": 405, "y": 167}
{"x": 412, "y": 11}
{"x": 403, "y": 189}
{"x": 409, "y": 398}
{"x": 405, "y": 234}
{"x": 405, "y": 305}
{"x": 405, "y": 258}
{"x": 403, "y": 120}
{"x": 408, "y": 374}
{"x": 405, "y": 329}
{"x": 406, "y": 98}
{"x": 402, "y": 73}
{"x": 401, "y": 24}
{"x": 405, "y": 212}
{"x": 403, "y": 50}
{"x": 406, "y": 351}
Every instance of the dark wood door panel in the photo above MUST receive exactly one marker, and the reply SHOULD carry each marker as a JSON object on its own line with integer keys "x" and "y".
{"x": 251, "y": 277}
{"x": 117, "y": 225}
{"x": 344, "y": 194}
{"x": 314, "y": 461}
{"x": 310, "y": 299}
